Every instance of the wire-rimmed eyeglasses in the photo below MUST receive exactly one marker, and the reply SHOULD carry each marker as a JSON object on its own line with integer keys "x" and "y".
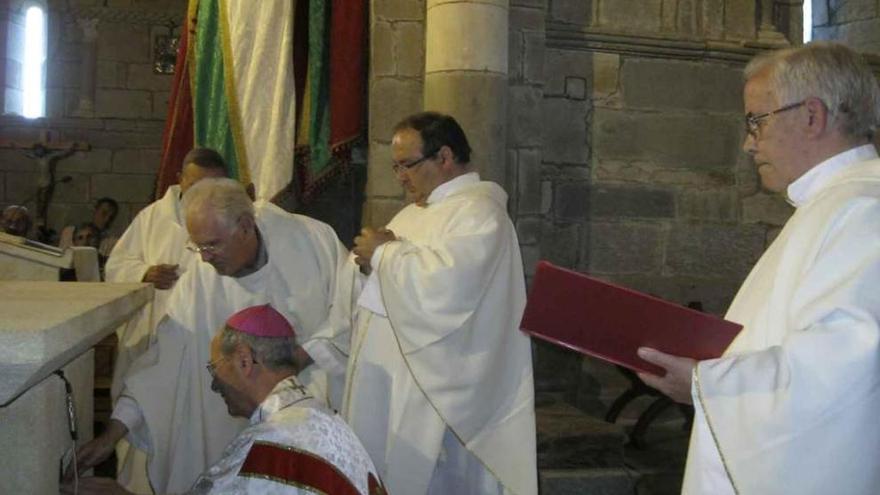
{"x": 211, "y": 366}
{"x": 204, "y": 248}
{"x": 397, "y": 167}
{"x": 753, "y": 122}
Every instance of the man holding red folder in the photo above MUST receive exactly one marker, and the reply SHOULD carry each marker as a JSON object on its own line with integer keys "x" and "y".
{"x": 792, "y": 405}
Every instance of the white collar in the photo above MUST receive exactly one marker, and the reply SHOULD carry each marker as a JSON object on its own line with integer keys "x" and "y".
{"x": 444, "y": 190}
{"x": 806, "y": 186}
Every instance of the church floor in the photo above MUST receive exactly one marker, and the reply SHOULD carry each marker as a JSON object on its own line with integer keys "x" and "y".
{"x": 582, "y": 454}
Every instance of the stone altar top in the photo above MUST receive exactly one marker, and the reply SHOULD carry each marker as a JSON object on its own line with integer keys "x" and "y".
{"x": 46, "y": 324}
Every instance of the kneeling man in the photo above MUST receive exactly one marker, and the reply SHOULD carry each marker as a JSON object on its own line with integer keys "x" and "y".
{"x": 294, "y": 444}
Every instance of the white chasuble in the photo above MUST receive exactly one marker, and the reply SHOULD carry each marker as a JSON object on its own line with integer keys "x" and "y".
{"x": 185, "y": 425}
{"x": 792, "y": 405}
{"x": 448, "y": 366}
{"x": 156, "y": 236}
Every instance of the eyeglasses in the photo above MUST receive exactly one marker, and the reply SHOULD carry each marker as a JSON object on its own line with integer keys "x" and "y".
{"x": 212, "y": 366}
{"x": 397, "y": 167}
{"x": 211, "y": 248}
{"x": 753, "y": 122}
{"x": 214, "y": 247}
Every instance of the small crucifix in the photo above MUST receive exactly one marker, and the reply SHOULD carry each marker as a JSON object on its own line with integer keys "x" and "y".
{"x": 47, "y": 153}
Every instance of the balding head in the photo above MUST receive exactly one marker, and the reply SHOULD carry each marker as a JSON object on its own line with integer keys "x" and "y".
{"x": 16, "y": 220}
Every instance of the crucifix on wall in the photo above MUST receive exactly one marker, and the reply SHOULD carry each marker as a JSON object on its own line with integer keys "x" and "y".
{"x": 47, "y": 153}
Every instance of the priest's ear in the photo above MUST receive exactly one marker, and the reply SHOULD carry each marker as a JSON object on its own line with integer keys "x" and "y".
{"x": 251, "y": 191}
{"x": 244, "y": 359}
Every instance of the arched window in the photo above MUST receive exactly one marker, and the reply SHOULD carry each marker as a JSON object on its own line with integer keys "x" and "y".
{"x": 808, "y": 20}
{"x": 24, "y": 80}
{"x": 33, "y": 63}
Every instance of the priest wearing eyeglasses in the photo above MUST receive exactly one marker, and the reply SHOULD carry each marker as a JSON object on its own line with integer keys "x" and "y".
{"x": 439, "y": 384}
{"x": 250, "y": 255}
{"x": 792, "y": 405}
{"x": 293, "y": 445}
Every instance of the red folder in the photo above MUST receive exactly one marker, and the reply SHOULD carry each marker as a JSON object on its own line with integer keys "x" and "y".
{"x": 609, "y": 322}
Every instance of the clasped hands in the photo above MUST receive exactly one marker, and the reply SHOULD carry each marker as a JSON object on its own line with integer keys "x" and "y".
{"x": 366, "y": 243}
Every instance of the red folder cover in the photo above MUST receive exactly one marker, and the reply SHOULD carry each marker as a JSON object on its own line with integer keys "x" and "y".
{"x": 609, "y": 322}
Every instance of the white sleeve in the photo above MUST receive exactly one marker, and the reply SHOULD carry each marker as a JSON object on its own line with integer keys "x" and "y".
{"x": 127, "y": 261}
{"x": 129, "y": 413}
{"x": 329, "y": 346}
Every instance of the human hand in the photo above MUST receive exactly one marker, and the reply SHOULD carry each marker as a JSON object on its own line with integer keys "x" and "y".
{"x": 96, "y": 486}
{"x": 97, "y": 450}
{"x": 366, "y": 243}
{"x": 161, "y": 276}
{"x": 676, "y": 384}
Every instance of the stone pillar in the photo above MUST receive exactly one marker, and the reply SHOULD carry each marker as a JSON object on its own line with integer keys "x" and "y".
{"x": 466, "y": 74}
{"x": 89, "y": 59}
{"x": 767, "y": 30}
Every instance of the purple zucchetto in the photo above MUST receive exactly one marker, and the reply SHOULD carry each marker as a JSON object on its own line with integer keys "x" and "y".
{"x": 261, "y": 321}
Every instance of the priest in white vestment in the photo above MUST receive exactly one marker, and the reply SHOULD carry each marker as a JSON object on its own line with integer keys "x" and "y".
{"x": 294, "y": 444}
{"x": 252, "y": 255}
{"x": 792, "y": 405}
{"x": 439, "y": 386}
{"x": 152, "y": 250}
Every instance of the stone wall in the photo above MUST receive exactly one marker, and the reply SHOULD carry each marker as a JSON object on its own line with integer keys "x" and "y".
{"x": 856, "y": 22}
{"x": 641, "y": 180}
{"x": 396, "y": 84}
{"x": 120, "y": 114}
{"x": 623, "y": 155}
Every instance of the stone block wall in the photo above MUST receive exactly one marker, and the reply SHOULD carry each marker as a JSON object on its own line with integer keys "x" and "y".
{"x": 396, "y": 83}
{"x": 123, "y": 122}
{"x": 856, "y": 22}
{"x": 641, "y": 178}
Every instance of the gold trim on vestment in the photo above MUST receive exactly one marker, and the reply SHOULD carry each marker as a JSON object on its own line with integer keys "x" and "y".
{"x": 281, "y": 481}
{"x": 696, "y": 378}
{"x": 232, "y": 104}
{"x": 419, "y": 385}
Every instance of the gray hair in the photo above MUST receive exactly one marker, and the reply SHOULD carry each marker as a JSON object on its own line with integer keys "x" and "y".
{"x": 11, "y": 208}
{"x": 831, "y": 72}
{"x": 274, "y": 353}
{"x": 226, "y": 197}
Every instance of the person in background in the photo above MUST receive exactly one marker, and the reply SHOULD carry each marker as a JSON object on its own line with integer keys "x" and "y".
{"x": 16, "y": 220}
{"x": 87, "y": 234}
{"x": 106, "y": 210}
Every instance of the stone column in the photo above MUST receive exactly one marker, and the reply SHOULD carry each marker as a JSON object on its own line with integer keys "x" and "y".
{"x": 89, "y": 60}
{"x": 767, "y": 30}
{"x": 466, "y": 74}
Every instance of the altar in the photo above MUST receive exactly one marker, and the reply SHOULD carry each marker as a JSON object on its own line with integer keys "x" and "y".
{"x": 26, "y": 259}
{"x": 48, "y": 327}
